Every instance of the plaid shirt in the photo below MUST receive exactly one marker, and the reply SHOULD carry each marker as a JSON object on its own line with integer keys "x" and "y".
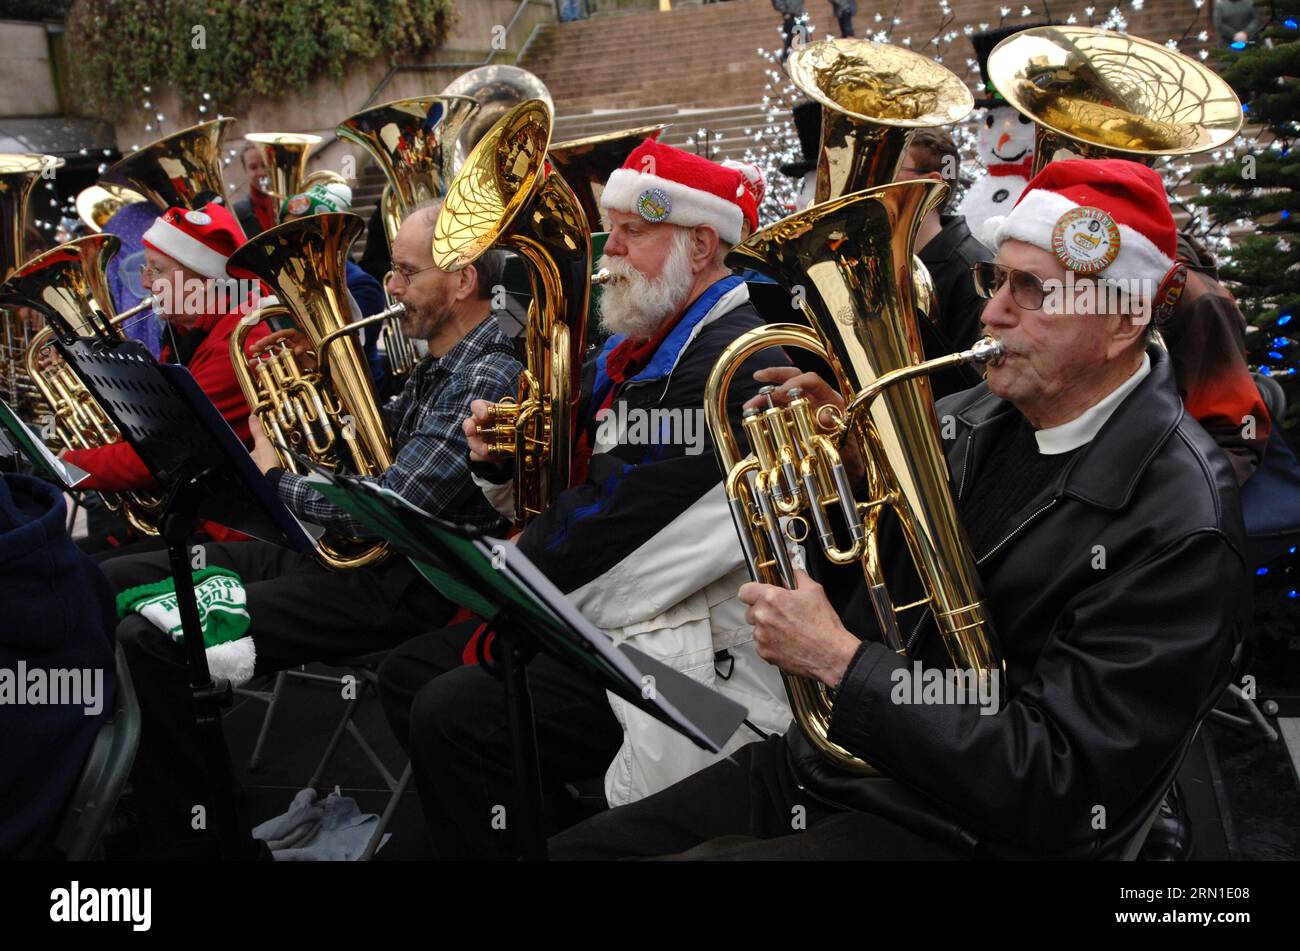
{"x": 431, "y": 468}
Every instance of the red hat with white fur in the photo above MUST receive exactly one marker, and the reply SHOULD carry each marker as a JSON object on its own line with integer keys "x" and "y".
{"x": 661, "y": 183}
{"x": 200, "y": 240}
{"x": 1105, "y": 217}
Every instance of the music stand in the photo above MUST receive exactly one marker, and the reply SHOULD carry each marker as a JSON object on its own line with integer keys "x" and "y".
{"x": 528, "y": 613}
{"x": 207, "y": 473}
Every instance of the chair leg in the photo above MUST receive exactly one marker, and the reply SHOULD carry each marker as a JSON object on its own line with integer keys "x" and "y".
{"x": 344, "y": 722}
{"x": 377, "y": 836}
{"x": 255, "y": 761}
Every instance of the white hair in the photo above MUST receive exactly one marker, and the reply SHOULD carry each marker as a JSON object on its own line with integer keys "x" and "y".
{"x": 633, "y": 304}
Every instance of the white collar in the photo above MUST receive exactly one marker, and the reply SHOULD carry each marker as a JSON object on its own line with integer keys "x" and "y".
{"x": 1081, "y": 430}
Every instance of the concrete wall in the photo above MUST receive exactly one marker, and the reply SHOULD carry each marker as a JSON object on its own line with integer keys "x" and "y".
{"x": 27, "y": 85}
{"x": 323, "y": 104}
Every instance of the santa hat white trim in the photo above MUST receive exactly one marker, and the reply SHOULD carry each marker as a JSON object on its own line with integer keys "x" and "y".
{"x": 690, "y": 206}
{"x": 1035, "y": 217}
{"x": 186, "y": 249}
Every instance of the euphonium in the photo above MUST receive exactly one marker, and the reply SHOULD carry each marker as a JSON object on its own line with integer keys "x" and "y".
{"x": 851, "y": 255}
{"x": 181, "y": 170}
{"x": 18, "y": 174}
{"x": 507, "y": 196}
{"x": 1094, "y": 93}
{"x": 413, "y": 141}
{"x": 69, "y": 285}
{"x": 328, "y": 414}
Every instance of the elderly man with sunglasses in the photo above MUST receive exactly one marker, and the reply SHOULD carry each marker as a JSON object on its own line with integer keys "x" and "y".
{"x": 1107, "y": 533}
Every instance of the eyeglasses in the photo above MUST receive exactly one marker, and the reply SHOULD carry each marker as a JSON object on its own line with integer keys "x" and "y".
{"x": 148, "y": 272}
{"x": 406, "y": 273}
{"x": 1026, "y": 287}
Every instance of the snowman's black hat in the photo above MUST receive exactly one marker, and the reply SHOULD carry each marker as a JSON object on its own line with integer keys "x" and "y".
{"x": 808, "y": 126}
{"x": 984, "y": 43}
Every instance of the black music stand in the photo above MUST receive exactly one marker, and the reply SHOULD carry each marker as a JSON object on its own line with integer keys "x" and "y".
{"x": 528, "y": 613}
{"x": 207, "y": 473}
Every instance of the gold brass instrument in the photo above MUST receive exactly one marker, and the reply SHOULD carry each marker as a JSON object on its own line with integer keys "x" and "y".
{"x": 588, "y": 162}
{"x": 69, "y": 285}
{"x": 327, "y": 414}
{"x": 852, "y": 257}
{"x": 98, "y": 203}
{"x": 507, "y": 196}
{"x": 182, "y": 170}
{"x": 873, "y": 97}
{"x": 497, "y": 89}
{"x": 413, "y": 141}
{"x": 285, "y": 154}
{"x": 1094, "y": 93}
{"x": 18, "y": 175}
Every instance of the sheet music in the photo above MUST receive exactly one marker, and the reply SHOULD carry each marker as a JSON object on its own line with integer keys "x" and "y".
{"x": 68, "y": 475}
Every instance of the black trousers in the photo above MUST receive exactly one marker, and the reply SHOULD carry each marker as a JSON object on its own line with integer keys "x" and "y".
{"x": 452, "y": 719}
{"x": 749, "y": 809}
{"x": 300, "y": 612}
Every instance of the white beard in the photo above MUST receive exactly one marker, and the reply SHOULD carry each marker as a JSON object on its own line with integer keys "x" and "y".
{"x": 634, "y": 305}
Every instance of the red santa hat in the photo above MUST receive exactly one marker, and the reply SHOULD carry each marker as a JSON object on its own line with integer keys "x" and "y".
{"x": 661, "y": 183}
{"x": 200, "y": 240}
{"x": 755, "y": 185}
{"x": 1104, "y": 217}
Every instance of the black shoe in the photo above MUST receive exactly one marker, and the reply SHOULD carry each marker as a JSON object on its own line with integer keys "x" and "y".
{"x": 1170, "y": 836}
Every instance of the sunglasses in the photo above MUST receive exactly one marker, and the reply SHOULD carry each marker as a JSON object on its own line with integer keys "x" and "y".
{"x": 1026, "y": 287}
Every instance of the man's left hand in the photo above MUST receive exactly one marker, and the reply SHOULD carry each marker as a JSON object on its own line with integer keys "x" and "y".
{"x": 798, "y": 630}
{"x": 263, "y": 453}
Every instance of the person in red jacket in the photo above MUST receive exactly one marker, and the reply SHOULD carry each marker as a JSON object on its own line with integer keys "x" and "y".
{"x": 185, "y": 268}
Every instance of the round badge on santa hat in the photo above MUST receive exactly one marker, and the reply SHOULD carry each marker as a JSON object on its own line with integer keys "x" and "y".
{"x": 1100, "y": 217}
{"x": 661, "y": 183}
{"x": 200, "y": 240}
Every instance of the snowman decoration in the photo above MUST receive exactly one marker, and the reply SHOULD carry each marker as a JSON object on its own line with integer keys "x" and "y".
{"x": 1005, "y": 146}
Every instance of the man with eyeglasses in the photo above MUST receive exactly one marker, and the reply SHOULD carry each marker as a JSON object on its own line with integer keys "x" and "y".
{"x": 298, "y": 610}
{"x": 1107, "y": 534}
{"x": 185, "y": 254}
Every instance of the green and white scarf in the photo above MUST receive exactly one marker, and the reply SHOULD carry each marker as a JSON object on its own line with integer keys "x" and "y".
{"x": 223, "y": 612}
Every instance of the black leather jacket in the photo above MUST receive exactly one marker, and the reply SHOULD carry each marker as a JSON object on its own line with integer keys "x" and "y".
{"x": 1119, "y": 595}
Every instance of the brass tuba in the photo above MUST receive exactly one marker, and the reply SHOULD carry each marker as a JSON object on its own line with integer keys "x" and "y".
{"x": 181, "y": 170}
{"x": 1094, "y": 93}
{"x": 328, "y": 414}
{"x": 18, "y": 174}
{"x": 506, "y": 195}
{"x": 413, "y": 141}
{"x": 69, "y": 285}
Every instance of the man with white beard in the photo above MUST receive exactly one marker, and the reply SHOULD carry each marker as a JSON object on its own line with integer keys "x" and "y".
{"x": 641, "y": 542}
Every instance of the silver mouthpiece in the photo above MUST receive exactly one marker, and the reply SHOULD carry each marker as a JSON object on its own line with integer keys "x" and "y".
{"x": 986, "y": 351}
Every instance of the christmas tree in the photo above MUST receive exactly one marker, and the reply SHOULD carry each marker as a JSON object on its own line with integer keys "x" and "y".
{"x": 1255, "y": 191}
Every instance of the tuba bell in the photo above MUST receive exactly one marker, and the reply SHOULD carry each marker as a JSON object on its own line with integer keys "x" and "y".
{"x": 69, "y": 286}
{"x": 873, "y": 97}
{"x": 1094, "y": 93}
{"x": 506, "y": 195}
{"x": 413, "y": 141}
{"x": 181, "y": 170}
{"x": 328, "y": 414}
{"x": 18, "y": 175}
{"x": 286, "y": 155}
